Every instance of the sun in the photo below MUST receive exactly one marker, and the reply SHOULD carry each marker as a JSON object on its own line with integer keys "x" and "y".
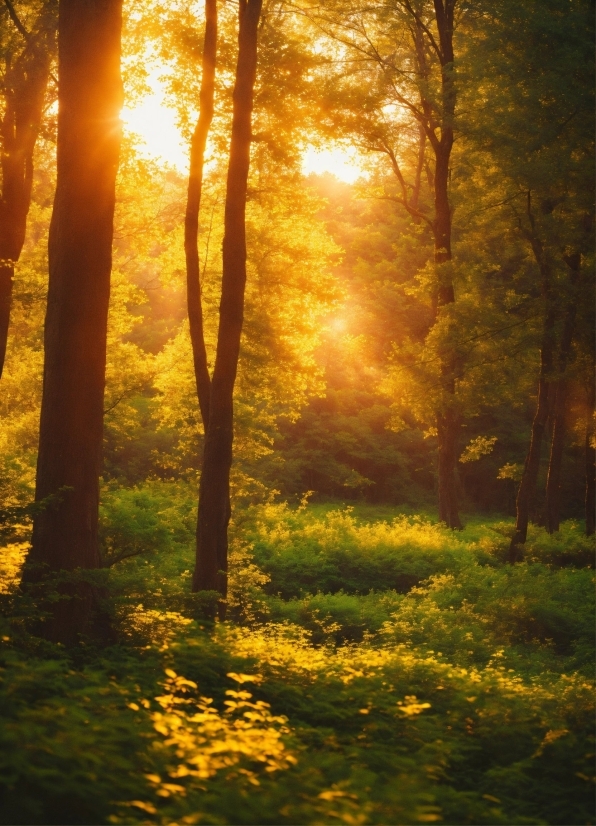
{"x": 154, "y": 124}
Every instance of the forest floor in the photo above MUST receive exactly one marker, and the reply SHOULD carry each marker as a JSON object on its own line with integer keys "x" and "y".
{"x": 374, "y": 668}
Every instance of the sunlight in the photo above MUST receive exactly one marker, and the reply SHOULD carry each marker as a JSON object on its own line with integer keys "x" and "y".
{"x": 346, "y": 164}
{"x": 337, "y": 325}
{"x": 154, "y": 124}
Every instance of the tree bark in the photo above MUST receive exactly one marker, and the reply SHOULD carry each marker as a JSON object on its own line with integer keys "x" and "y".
{"x": 80, "y": 260}
{"x": 24, "y": 90}
{"x": 532, "y": 463}
{"x": 590, "y": 454}
{"x": 447, "y": 427}
{"x": 193, "y": 206}
{"x": 553, "y": 482}
{"x": 447, "y": 418}
{"x": 214, "y": 492}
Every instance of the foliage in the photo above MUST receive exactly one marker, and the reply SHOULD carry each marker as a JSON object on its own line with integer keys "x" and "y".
{"x": 460, "y": 701}
{"x": 303, "y": 554}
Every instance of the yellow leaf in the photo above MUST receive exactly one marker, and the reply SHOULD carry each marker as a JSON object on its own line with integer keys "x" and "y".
{"x": 154, "y": 778}
{"x": 146, "y": 807}
{"x": 245, "y": 678}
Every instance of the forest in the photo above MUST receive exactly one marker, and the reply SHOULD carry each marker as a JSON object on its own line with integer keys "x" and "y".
{"x": 297, "y": 412}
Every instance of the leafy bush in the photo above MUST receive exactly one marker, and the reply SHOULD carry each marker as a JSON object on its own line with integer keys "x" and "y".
{"x": 484, "y": 614}
{"x": 304, "y": 554}
{"x": 339, "y": 617}
{"x": 69, "y": 746}
{"x": 156, "y": 516}
{"x": 569, "y": 546}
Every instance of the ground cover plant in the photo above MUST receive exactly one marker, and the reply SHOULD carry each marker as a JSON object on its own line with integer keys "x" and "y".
{"x": 462, "y": 697}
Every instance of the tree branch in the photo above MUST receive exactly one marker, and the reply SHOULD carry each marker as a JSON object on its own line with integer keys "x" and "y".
{"x": 15, "y": 19}
{"x": 425, "y": 29}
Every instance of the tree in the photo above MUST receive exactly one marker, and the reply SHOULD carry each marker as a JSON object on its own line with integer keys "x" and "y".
{"x": 404, "y": 85}
{"x": 214, "y": 491}
{"x": 590, "y": 454}
{"x": 24, "y": 91}
{"x": 193, "y": 206}
{"x": 540, "y": 137}
{"x": 559, "y": 403}
{"x": 80, "y": 258}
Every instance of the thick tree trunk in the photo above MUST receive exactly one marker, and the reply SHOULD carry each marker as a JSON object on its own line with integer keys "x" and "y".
{"x": 193, "y": 206}
{"x": 24, "y": 89}
{"x": 532, "y": 464}
{"x": 80, "y": 260}
{"x": 214, "y": 492}
{"x": 553, "y": 482}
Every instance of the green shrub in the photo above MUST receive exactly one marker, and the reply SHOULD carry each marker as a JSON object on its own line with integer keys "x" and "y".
{"x": 568, "y": 547}
{"x": 339, "y": 617}
{"x": 69, "y": 745}
{"x": 485, "y": 610}
{"x": 157, "y": 516}
{"x": 303, "y": 555}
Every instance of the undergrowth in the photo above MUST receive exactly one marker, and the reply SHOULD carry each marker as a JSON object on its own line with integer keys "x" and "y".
{"x": 370, "y": 671}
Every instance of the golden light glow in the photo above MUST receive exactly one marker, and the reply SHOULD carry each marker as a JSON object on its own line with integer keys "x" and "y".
{"x": 154, "y": 124}
{"x": 343, "y": 162}
{"x": 338, "y": 325}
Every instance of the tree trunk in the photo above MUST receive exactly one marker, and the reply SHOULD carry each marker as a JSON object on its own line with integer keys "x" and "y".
{"x": 447, "y": 418}
{"x": 80, "y": 260}
{"x": 414, "y": 200}
{"x": 447, "y": 426}
{"x": 532, "y": 464}
{"x": 590, "y": 464}
{"x": 24, "y": 89}
{"x": 214, "y": 493}
{"x": 553, "y": 482}
{"x": 193, "y": 205}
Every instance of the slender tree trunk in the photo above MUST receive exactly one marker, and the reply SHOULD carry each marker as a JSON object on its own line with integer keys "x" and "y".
{"x": 447, "y": 416}
{"x": 80, "y": 260}
{"x": 532, "y": 464}
{"x": 414, "y": 200}
{"x": 24, "y": 89}
{"x": 553, "y": 482}
{"x": 214, "y": 493}
{"x": 447, "y": 428}
{"x": 590, "y": 464}
{"x": 193, "y": 205}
